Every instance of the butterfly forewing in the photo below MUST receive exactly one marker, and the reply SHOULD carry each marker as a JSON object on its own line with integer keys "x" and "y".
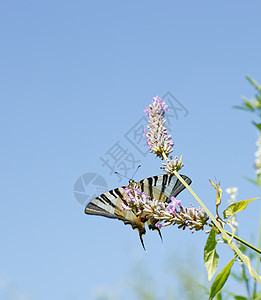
{"x": 109, "y": 205}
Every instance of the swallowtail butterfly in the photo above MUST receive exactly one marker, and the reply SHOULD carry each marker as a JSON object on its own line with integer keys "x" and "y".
{"x": 161, "y": 187}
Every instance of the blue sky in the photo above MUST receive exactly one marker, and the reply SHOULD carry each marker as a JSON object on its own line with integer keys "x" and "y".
{"x": 75, "y": 78}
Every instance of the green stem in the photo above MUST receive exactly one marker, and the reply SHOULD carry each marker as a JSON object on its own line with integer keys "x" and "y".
{"x": 244, "y": 258}
{"x": 244, "y": 242}
{"x": 257, "y": 257}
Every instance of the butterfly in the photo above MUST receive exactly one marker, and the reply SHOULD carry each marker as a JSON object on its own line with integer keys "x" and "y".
{"x": 161, "y": 187}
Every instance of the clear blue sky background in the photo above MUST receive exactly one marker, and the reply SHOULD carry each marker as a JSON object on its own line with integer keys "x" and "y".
{"x": 75, "y": 77}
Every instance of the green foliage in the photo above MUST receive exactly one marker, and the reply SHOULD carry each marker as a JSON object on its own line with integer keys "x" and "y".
{"x": 219, "y": 296}
{"x": 220, "y": 279}
{"x": 145, "y": 286}
{"x": 258, "y": 125}
{"x": 256, "y": 85}
{"x": 257, "y": 296}
{"x": 258, "y": 180}
{"x": 240, "y": 298}
{"x": 252, "y": 105}
{"x": 235, "y": 207}
{"x": 210, "y": 255}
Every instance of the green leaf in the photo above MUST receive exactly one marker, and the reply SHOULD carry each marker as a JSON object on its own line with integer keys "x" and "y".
{"x": 249, "y": 105}
{"x": 250, "y": 179}
{"x": 221, "y": 279}
{"x": 254, "y": 83}
{"x": 210, "y": 255}
{"x": 237, "y": 297}
{"x": 239, "y": 107}
{"x": 258, "y": 125}
{"x": 219, "y": 296}
{"x": 258, "y": 180}
{"x": 236, "y": 207}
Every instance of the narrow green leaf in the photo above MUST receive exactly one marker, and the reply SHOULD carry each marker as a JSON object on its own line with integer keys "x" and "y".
{"x": 237, "y": 297}
{"x": 220, "y": 279}
{"x": 239, "y": 107}
{"x": 254, "y": 83}
{"x": 210, "y": 255}
{"x": 258, "y": 180}
{"x": 249, "y": 105}
{"x": 250, "y": 179}
{"x": 235, "y": 207}
{"x": 258, "y": 125}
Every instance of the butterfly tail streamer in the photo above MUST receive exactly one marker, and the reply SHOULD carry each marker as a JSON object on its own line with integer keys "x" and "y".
{"x": 159, "y": 234}
{"x": 141, "y": 240}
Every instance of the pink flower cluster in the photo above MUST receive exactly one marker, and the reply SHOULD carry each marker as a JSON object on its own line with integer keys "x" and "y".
{"x": 166, "y": 214}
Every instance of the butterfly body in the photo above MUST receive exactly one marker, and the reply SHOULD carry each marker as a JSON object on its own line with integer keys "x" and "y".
{"x": 161, "y": 187}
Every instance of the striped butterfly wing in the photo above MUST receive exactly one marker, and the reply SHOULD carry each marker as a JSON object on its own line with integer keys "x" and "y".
{"x": 109, "y": 205}
{"x": 161, "y": 187}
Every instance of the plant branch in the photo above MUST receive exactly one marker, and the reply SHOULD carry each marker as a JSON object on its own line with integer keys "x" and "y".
{"x": 244, "y": 242}
{"x": 231, "y": 244}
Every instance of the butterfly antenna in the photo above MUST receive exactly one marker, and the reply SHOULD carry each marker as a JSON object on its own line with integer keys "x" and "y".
{"x": 136, "y": 171}
{"x": 115, "y": 172}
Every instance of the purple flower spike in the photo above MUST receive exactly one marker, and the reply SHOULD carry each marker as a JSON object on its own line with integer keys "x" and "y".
{"x": 143, "y": 206}
{"x": 157, "y": 137}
